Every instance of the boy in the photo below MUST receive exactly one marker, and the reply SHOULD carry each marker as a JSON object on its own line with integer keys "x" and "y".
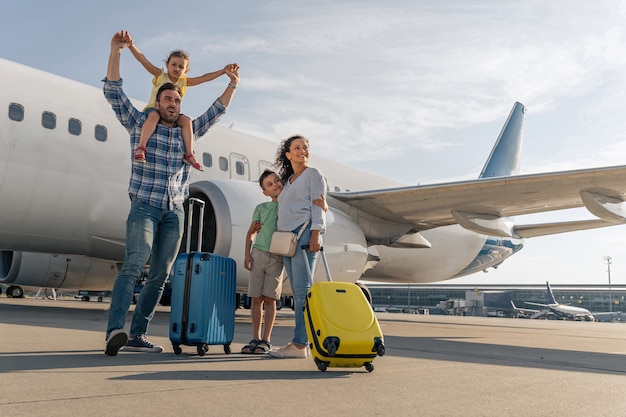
{"x": 266, "y": 269}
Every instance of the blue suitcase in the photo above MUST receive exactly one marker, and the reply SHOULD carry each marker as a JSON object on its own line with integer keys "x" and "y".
{"x": 203, "y": 300}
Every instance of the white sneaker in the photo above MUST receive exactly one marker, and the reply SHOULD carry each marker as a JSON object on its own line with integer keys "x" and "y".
{"x": 289, "y": 351}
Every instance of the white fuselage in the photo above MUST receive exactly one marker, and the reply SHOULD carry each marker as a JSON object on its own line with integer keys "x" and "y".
{"x": 64, "y": 193}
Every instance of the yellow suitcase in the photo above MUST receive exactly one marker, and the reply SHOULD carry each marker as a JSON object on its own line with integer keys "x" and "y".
{"x": 341, "y": 326}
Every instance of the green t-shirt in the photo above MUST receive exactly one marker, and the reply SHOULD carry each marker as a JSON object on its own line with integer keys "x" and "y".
{"x": 267, "y": 214}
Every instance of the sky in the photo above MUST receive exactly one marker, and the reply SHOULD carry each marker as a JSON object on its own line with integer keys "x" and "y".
{"x": 414, "y": 90}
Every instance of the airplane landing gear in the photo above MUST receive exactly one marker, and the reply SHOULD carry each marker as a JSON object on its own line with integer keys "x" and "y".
{"x": 15, "y": 292}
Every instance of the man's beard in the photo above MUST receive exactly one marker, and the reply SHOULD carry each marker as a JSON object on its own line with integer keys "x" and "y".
{"x": 166, "y": 116}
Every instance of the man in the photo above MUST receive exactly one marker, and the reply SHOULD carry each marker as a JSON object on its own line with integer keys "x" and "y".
{"x": 157, "y": 190}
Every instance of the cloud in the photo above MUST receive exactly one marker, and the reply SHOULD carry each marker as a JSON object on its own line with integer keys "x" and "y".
{"x": 404, "y": 77}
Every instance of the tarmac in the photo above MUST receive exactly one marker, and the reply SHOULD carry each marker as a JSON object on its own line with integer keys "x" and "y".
{"x": 52, "y": 364}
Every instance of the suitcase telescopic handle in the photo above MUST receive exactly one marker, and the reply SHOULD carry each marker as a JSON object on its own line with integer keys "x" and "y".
{"x": 200, "y": 203}
{"x": 324, "y": 261}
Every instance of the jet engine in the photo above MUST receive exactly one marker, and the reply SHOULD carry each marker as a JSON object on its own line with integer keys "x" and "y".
{"x": 54, "y": 271}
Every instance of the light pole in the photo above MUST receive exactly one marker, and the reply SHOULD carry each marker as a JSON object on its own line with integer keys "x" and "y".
{"x": 607, "y": 260}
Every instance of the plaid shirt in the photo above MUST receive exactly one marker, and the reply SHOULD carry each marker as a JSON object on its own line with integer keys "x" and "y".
{"x": 163, "y": 181}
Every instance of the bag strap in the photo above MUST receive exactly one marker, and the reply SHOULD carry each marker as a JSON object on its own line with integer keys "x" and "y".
{"x": 304, "y": 225}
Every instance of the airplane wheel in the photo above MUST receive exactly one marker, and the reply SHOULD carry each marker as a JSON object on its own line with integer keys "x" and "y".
{"x": 15, "y": 292}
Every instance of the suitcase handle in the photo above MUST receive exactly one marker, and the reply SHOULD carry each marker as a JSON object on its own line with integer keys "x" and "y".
{"x": 324, "y": 261}
{"x": 200, "y": 203}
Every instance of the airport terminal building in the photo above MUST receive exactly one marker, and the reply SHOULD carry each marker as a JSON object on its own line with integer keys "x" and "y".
{"x": 484, "y": 300}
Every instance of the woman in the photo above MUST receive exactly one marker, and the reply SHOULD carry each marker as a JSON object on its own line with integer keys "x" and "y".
{"x": 296, "y": 209}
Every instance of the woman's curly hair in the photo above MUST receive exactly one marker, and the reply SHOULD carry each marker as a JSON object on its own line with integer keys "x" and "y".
{"x": 282, "y": 164}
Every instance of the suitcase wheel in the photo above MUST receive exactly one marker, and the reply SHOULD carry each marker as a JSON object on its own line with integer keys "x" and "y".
{"x": 331, "y": 344}
{"x": 321, "y": 365}
{"x": 381, "y": 350}
{"x": 227, "y": 349}
{"x": 369, "y": 366}
{"x": 202, "y": 349}
{"x": 177, "y": 349}
{"x": 379, "y": 346}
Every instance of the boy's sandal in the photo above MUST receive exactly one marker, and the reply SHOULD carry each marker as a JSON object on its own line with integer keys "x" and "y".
{"x": 262, "y": 347}
{"x": 140, "y": 156}
{"x": 190, "y": 159}
{"x": 250, "y": 347}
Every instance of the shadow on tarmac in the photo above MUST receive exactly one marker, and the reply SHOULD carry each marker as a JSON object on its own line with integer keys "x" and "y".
{"x": 461, "y": 349}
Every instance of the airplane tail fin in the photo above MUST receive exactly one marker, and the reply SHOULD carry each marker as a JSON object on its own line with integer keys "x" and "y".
{"x": 551, "y": 299}
{"x": 504, "y": 158}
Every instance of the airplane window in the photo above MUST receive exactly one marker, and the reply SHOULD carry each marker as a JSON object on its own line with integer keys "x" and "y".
{"x": 101, "y": 133}
{"x": 16, "y": 112}
{"x": 48, "y": 120}
{"x": 223, "y": 163}
{"x": 75, "y": 127}
{"x": 240, "y": 168}
{"x": 207, "y": 159}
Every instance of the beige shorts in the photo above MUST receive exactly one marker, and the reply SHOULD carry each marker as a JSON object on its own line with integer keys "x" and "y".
{"x": 266, "y": 276}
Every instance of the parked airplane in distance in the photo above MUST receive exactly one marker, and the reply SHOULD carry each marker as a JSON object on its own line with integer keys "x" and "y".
{"x": 554, "y": 310}
{"x": 65, "y": 163}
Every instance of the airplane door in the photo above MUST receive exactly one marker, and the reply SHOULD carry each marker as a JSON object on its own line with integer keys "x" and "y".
{"x": 263, "y": 165}
{"x": 239, "y": 167}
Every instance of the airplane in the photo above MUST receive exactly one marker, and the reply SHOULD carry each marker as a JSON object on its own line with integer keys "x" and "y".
{"x": 65, "y": 163}
{"x": 554, "y": 310}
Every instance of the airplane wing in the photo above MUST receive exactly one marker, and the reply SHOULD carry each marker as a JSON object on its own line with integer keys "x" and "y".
{"x": 536, "y": 304}
{"x": 525, "y": 310}
{"x": 483, "y": 205}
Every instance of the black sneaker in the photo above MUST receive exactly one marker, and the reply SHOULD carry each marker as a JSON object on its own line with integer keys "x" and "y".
{"x": 142, "y": 344}
{"x": 115, "y": 340}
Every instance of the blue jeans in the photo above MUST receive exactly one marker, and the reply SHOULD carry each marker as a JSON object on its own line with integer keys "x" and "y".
{"x": 149, "y": 231}
{"x": 296, "y": 268}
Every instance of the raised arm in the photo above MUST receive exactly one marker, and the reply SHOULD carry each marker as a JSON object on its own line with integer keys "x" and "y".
{"x": 207, "y": 119}
{"x": 119, "y": 41}
{"x": 209, "y": 76}
{"x": 139, "y": 56}
{"x": 232, "y": 71}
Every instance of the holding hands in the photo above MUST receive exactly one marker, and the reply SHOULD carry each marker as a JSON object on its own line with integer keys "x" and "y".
{"x": 232, "y": 70}
{"x": 121, "y": 40}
